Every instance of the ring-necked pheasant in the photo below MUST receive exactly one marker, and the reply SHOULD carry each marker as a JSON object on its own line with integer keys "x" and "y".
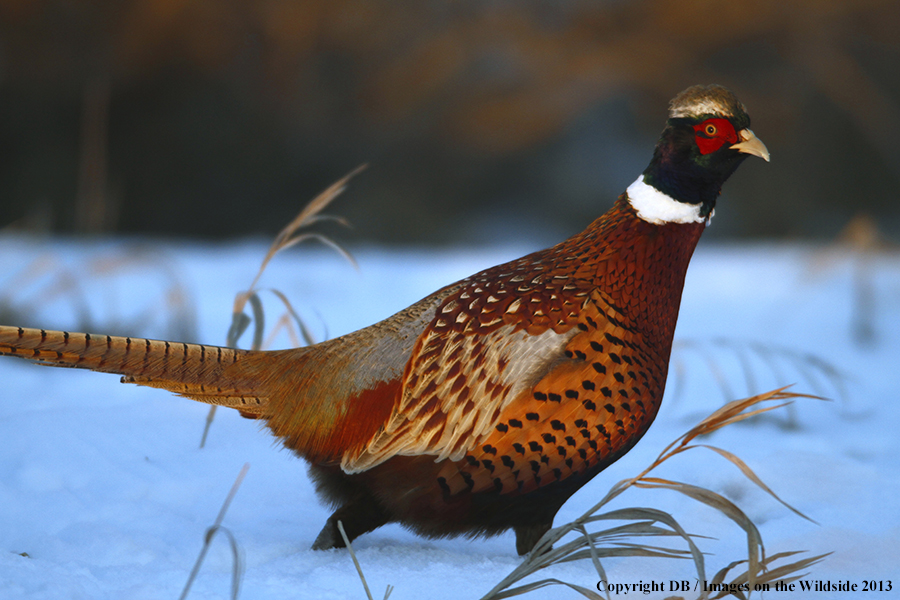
{"x": 484, "y": 406}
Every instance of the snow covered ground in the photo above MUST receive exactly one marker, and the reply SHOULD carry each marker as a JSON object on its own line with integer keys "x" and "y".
{"x": 105, "y": 494}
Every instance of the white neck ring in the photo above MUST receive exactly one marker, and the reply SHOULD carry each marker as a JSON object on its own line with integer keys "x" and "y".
{"x": 658, "y": 208}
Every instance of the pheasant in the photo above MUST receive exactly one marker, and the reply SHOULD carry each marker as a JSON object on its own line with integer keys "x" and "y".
{"x": 486, "y": 405}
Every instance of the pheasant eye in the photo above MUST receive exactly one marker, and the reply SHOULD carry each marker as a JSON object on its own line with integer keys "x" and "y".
{"x": 714, "y": 133}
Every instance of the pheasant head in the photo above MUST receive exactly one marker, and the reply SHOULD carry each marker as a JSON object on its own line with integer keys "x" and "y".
{"x": 707, "y": 136}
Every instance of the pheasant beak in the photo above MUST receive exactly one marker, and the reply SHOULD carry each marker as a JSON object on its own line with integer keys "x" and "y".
{"x": 750, "y": 144}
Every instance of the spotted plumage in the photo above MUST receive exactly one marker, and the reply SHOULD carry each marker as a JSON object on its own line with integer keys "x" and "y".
{"x": 484, "y": 406}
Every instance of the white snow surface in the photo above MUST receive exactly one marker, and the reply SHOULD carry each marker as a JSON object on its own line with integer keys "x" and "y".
{"x": 105, "y": 493}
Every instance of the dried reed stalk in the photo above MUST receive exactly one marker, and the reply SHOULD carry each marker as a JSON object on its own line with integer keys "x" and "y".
{"x": 656, "y": 524}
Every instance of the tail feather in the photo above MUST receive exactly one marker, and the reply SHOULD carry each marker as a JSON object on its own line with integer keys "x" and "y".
{"x": 315, "y": 399}
{"x": 197, "y": 371}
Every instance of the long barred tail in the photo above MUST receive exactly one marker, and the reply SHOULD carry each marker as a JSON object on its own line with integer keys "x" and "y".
{"x": 199, "y": 372}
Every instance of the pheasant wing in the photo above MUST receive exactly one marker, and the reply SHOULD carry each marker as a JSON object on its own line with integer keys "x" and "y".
{"x": 490, "y": 341}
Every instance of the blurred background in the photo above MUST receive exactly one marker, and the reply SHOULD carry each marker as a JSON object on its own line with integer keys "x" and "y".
{"x": 480, "y": 121}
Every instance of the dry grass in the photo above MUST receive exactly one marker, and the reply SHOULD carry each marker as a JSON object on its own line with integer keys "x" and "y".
{"x": 647, "y": 524}
{"x": 48, "y": 289}
{"x": 390, "y": 588}
{"x": 290, "y": 236}
{"x": 238, "y": 563}
{"x": 859, "y": 246}
{"x": 760, "y": 366}
{"x": 756, "y": 361}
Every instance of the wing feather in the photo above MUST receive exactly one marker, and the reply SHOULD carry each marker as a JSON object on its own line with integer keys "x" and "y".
{"x": 486, "y": 345}
{"x": 327, "y": 400}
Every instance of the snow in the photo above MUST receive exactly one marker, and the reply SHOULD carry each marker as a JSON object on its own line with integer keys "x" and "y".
{"x": 105, "y": 493}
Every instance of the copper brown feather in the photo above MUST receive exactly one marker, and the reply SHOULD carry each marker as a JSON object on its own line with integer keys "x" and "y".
{"x": 484, "y": 406}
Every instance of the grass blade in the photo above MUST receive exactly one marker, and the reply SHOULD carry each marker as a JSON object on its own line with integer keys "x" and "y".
{"x": 211, "y": 533}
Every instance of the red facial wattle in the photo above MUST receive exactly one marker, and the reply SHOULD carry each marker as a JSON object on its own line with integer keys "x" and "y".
{"x": 712, "y": 134}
